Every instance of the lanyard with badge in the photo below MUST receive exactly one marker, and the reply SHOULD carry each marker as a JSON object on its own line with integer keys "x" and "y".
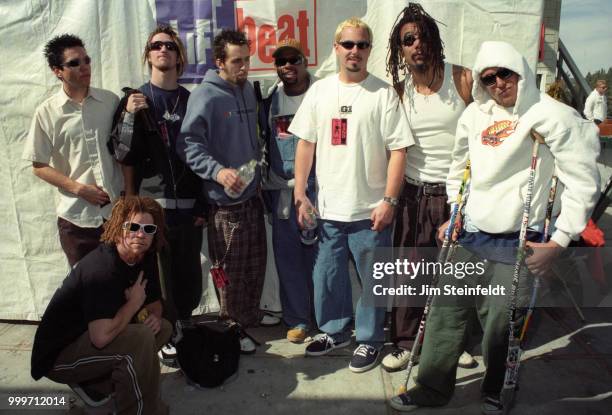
{"x": 339, "y": 125}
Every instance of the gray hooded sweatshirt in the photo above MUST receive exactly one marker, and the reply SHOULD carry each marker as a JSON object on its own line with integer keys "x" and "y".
{"x": 220, "y": 131}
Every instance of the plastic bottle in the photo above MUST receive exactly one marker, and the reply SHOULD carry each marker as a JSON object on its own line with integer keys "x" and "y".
{"x": 246, "y": 172}
{"x": 309, "y": 234}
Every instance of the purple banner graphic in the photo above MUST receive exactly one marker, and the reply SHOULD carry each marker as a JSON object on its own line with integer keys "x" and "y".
{"x": 197, "y": 22}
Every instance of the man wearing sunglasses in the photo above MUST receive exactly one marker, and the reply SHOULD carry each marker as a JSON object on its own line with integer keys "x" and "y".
{"x": 67, "y": 147}
{"x": 294, "y": 260}
{"x": 596, "y": 104}
{"x": 434, "y": 94}
{"x": 218, "y": 136}
{"x": 353, "y": 122}
{"x": 103, "y": 327}
{"x": 494, "y": 132}
{"x": 147, "y": 124}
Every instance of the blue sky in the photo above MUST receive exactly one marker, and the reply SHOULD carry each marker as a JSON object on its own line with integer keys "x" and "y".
{"x": 586, "y": 31}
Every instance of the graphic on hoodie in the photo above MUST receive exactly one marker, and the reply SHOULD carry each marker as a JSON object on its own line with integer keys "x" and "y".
{"x": 495, "y": 134}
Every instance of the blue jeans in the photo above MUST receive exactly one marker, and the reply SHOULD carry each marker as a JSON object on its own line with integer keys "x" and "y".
{"x": 332, "y": 283}
{"x": 294, "y": 263}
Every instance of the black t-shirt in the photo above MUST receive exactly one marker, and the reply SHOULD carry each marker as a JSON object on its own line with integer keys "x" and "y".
{"x": 168, "y": 107}
{"x": 94, "y": 289}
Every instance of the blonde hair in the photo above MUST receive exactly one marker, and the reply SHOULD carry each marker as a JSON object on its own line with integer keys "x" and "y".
{"x": 601, "y": 82}
{"x": 354, "y": 22}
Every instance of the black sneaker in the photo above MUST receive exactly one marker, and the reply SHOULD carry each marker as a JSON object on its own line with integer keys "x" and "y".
{"x": 167, "y": 355}
{"x": 323, "y": 345}
{"x": 364, "y": 358}
{"x": 492, "y": 405}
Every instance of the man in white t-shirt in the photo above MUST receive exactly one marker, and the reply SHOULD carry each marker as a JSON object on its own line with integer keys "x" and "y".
{"x": 355, "y": 124}
{"x": 596, "y": 104}
{"x": 434, "y": 94}
{"x": 67, "y": 147}
{"x": 294, "y": 259}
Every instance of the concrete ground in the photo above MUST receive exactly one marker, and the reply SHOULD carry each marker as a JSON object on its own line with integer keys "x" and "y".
{"x": 567, "y": 369}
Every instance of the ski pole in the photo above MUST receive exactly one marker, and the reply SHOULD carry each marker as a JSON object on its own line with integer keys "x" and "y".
{"x": 514, "y": 348}
{"x": 448, "y": 234}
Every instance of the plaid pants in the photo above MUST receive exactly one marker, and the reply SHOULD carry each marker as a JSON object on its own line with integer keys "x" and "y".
{"x": 237, "y": 240}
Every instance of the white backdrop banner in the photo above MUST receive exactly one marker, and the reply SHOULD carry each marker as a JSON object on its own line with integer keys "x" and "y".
{"x": 31, "y": 261}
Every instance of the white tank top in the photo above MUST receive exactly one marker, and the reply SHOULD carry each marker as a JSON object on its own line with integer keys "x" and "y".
{"x": 433, "y": 119}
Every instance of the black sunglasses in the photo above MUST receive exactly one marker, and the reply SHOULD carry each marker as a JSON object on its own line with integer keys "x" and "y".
{"x": 294, "y": 60}
{"x": 73, "y": 63}
{"x": 149, "y": 229}
{"x": 409, "y": 39}
{"x": 349, "y": 44}
{"x": 490, "y": 80}
{"x": 159, "y": 44}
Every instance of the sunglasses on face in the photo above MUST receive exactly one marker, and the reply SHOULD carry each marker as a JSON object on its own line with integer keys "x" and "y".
{"x": 503, "y": 74}
{"x": 294, "y": 60}
{"x": 349, "y": 44}
{"x": 409, "y": 39}
{"x": 73, "y": 63}
{"x": 159, "y": 44}
{"x": 149, "y": 229}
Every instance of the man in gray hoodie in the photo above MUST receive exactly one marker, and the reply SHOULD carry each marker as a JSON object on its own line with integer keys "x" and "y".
{"x": 218, "y": 137}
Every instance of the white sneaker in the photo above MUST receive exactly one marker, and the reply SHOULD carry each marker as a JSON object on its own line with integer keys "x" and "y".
{"x": 466, "y": 361}
{"x": 396, "y": 360}
{"x": 167, "y": 355}
{"x": 269, "y": 320}
{"x": 247, "y": 346}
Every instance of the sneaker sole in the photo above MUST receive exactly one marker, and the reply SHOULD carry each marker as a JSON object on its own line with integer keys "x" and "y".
{"x": 403, "y": 408}
{"x": 173, "y": 363}
{"x": 323, "y": 353}
{"x": 398, "y": 368}
{"x": 470, "y": 366}
{"x": 365, "y": 368}
{"x": 394, "y": 369}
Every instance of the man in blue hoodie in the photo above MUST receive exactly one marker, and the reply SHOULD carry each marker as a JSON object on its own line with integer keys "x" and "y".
{"x": 218, "y": 136}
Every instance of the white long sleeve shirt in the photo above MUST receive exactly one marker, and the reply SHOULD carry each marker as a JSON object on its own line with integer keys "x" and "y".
{"x": 596, "y": 106}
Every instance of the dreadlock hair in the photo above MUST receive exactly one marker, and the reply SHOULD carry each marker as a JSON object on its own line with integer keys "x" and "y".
{"x": 125, "y": 208}
{"x": 429, "y": 36}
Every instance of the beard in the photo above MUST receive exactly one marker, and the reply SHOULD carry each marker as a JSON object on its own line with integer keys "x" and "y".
{"x": 421, "y": 67}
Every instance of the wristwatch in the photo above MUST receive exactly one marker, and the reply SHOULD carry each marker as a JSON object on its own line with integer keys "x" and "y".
{"x": 391, "y": 200}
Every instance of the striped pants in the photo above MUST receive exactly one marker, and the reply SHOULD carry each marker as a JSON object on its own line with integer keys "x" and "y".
{"x": 130, "y": 361}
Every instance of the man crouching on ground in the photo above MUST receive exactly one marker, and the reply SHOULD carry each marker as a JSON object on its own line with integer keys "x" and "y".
{"x": 90, "y": 333}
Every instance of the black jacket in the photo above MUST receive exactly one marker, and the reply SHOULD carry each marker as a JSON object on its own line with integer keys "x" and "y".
{"x": 166, "y": 175}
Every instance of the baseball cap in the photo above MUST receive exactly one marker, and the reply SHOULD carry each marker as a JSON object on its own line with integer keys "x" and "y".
{"x": 289, "y": 43}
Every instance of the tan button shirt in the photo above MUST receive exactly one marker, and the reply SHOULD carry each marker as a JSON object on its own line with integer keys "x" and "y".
{"x": 72, "y": 137}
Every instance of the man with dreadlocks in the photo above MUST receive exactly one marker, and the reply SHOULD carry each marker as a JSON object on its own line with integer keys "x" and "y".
{"x": 104, "y": 322}
{"x": 434, "y": 94}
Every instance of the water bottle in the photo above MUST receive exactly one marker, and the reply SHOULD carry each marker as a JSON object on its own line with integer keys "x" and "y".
{"x": 246, "y": 172}
{"x": 308, "y": 235}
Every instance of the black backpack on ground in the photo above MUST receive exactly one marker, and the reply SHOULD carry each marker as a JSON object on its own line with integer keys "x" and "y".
{"x": 208, "y": 352}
